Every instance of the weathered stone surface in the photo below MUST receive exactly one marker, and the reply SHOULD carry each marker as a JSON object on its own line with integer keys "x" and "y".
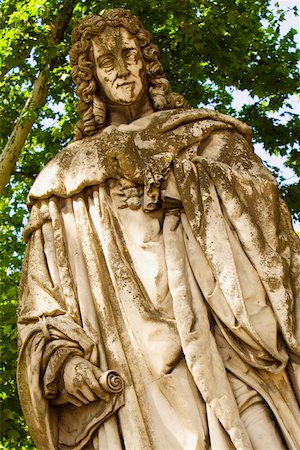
{"x": 158, "y": 249}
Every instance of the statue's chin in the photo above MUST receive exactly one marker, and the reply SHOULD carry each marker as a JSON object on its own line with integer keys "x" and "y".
{"x": 127, "y": 95}
{"x": 126, "y": 101}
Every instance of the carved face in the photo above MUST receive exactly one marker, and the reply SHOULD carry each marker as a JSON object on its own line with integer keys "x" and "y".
{"x": 119, "y": 66}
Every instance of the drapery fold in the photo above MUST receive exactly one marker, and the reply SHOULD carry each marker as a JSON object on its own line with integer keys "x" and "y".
{"x": 224, "y": 264}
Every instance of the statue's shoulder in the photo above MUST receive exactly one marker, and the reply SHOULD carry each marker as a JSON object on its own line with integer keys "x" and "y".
{"x": 205, "y": 115}
{"x": 73, "y": 168}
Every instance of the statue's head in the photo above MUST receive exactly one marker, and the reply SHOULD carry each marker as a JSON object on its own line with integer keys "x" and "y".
{"x": 114, "y": 62}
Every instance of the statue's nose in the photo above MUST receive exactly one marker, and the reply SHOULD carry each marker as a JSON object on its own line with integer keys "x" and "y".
{"x": 122, "y": 69}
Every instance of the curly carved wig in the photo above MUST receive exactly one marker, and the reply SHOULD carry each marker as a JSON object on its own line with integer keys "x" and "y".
{"x": 91, "y": 108}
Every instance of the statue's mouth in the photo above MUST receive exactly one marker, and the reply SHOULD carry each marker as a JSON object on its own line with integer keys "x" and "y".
{"x": 125, "y": 83}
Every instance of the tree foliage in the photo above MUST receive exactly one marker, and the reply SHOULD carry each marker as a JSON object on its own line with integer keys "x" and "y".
{"x": 208, "y": 49}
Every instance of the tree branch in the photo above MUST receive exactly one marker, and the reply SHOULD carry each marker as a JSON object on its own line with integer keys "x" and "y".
{"x": 15, "y": 62}
{"x": 36, "y": 100}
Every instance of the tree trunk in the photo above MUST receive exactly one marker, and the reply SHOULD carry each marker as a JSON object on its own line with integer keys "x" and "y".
{"x": 23, "y": 126}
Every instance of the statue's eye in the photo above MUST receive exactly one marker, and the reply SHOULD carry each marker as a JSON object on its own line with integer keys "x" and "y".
{"x": 131, "y": 55}
{"x": 106, "y": 63}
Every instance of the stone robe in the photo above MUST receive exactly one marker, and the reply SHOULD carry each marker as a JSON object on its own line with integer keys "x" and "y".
{"x": 161, "y": 249}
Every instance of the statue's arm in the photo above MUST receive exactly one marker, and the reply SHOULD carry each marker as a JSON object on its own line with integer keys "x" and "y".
{"x": 54, "y": 349}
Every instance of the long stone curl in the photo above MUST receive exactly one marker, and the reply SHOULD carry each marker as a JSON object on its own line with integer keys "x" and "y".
{"x": 91, "y": 107}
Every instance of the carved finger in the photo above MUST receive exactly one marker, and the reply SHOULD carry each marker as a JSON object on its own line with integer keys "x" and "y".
{"x": 71, "y": 399}
{"x": 95, "y": 386}
{"x": 79, "y": 395}
{"x": 88, "y": 393}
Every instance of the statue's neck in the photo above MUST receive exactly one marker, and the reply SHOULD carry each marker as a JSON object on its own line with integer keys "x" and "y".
{"x": 125, "y": 114}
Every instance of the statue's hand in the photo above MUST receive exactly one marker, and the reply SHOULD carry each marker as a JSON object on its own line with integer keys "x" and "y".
{"x": 81, "y": 382}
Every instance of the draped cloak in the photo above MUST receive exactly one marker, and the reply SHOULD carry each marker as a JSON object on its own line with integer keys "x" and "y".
{"x": 160, "y": 249}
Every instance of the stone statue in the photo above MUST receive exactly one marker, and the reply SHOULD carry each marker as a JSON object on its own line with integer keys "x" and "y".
{"x": 159, "y": 304}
